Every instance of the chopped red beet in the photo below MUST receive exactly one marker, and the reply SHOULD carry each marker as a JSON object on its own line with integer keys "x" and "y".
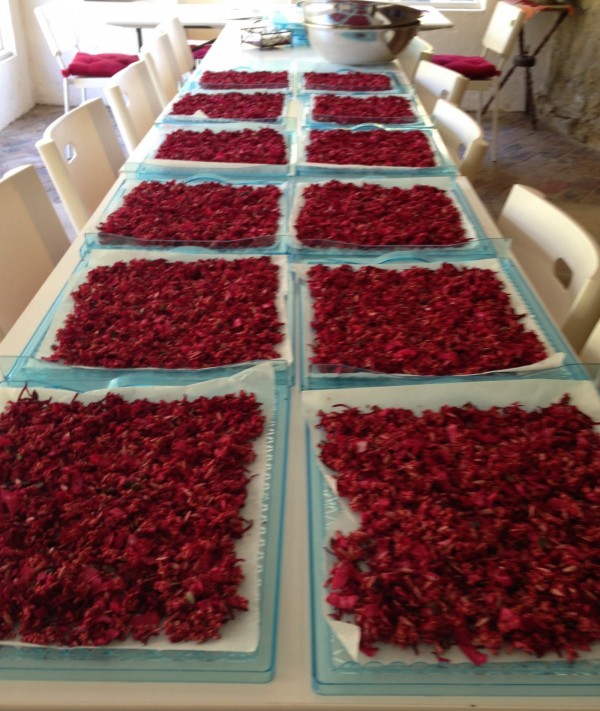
{"x": 370, "y": 147}
{"x": 443, "y": 321}
{"x": 347, "y": 81}
{"x": 478, "y": 528}
{"x": 351, "y": 109}
{"x": 240, "y": 79}
{"x": 165, "y": 314}
{"x": 263, "y": 145}
{"x": 125, "y": 517}
{"x": 211, "y": 213}
{"x": 370, "y": 215}
{"x": 232, "y": 105}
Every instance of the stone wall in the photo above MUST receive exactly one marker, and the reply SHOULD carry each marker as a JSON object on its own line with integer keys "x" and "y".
{"x": 570, "y": 99}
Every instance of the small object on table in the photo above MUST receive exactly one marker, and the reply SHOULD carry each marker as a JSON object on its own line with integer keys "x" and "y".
{"x": 266, "y": 37}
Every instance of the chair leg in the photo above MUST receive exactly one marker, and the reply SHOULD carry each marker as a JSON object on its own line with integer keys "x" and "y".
{"x": 479, "y": 113}
{"x": 66, "y": 94}
{"x": 494, "y": 141}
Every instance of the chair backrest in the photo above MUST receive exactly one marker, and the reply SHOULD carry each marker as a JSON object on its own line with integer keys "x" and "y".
{"x": 560, "y": 258}
{"x": 82, "y": 154}
{"x": 433, "y": 82}
{"x": 132, "y": 96}
{"x": 416, "y": 50}
{"x": 502, "y": 31}
{"x": 175, "y": 30}
{"x": 55, "y": 21}
{"x": 32, "y": 241}
{"x": 462, "y": 135}
{"x": 159, "y": 54}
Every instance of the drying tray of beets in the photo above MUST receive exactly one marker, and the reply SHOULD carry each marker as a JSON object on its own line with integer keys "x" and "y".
{"x": 257, "y": 224}
{"x": 246, "y": 650}
{"x": 339, "y": 667}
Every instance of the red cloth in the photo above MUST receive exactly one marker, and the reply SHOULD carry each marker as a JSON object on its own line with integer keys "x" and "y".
{"x": 470, "y": 67}
{"x": 98, "y": 65}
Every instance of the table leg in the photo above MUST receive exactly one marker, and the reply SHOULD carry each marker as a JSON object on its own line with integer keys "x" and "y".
{"x": 140, "y": 38}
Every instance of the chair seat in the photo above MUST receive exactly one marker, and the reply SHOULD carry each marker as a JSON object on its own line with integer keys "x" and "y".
{"x": 98, "y": 65}
{"x": 470, "y": 67}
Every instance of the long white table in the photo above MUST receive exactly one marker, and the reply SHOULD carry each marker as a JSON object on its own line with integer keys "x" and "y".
{"x": 291, "y": 687}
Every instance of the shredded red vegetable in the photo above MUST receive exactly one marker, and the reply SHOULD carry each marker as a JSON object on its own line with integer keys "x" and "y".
{"x": 166, "y": 314}
{"x": 443, "y": 321}
{"x": 119, "y": 519}
{"x": 478, "y": 528}
{"x": 212, "y": 213}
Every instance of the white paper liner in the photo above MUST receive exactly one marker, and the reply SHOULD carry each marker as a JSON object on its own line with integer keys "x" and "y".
{"x": 440, "y": 182}
{"x": 242, "y": 633}
{"x": 530, "y": 394}
{"x": 99, "y": 258}
{"x": 554, "y": 360}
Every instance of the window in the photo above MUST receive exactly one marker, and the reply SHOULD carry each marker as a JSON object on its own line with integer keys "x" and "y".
{"x": 6, "y": 31}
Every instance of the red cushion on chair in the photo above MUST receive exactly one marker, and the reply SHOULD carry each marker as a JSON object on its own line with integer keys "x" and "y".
{"x": 201, "y": 51}
{"x": 470, "y": 67}
{"x": 98, "y": 65}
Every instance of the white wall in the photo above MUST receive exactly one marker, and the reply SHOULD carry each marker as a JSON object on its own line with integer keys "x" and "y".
{"x": 45, "y": 84}
{"x": 16, "y": 89}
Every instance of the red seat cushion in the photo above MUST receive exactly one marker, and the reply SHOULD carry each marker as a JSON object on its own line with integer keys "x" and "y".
{"x": 470, "y": 67}
{"x": 98, "y": 65}
{"x": 201, "y": 51}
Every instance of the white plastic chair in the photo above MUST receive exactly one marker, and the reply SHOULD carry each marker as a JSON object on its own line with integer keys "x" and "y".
{"x": 57, "y": 24}
{"x": 135, "y": 103}
{"x": 159, "y": 54}
{"x": 462, "y": 135}
{"x": 497, "y": 45}
{"x": 175, "y": 31}
{"x": 590, "y": 353}
{"x": 417, "y": 50}
{"x": 82, "y": 154}
{"x": 433, "y": 82}
{"x": 560, "y": 258}
{"x": 32, "y": 241}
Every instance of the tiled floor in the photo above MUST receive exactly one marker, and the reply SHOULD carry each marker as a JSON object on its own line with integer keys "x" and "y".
{"x": 567, "y": 172}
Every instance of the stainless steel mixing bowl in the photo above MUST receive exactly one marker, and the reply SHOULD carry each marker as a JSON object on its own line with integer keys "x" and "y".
{"x": 358, "y": 14}
{"x": 344, "y": 45}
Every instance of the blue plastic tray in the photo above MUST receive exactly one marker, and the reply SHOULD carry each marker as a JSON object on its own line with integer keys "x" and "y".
{"x": 315, "y": 377}
{"x": 335, "y": 671}
{"x": 420, "y": 117}
{"x": 396, "y": 83}
{"x": 148, "y": 164}
{"x": 443, "y": 162}
{"x": 285, "y": 119}
{"x": 195, "y": 78}
{"x": 95, "y": 238}
{"x": 479, "y": 245}
{"x": 30, "y": 367}
{"x": 193, "y": 663}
